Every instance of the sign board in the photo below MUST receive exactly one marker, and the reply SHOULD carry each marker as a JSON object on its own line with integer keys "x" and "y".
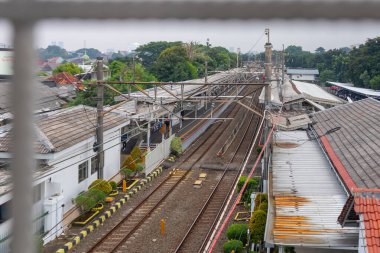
{"x": 6, "y": 61}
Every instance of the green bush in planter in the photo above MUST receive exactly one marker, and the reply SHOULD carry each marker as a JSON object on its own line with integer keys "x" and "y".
{"x": 263, "y": 206}
{"x": 233, "y": 245}
{"x": 176, "y": 146}
{"x": 238, "y": 232}
{"x": 252, "y": 186}
{"x": 260, "y": 198}
{"x": 102, "y": 185}
{"x": 113, "y": 185}
{"x": 257, "y": 226}
{"x": 136, "y": 154}
{"x": 89, "y": 199}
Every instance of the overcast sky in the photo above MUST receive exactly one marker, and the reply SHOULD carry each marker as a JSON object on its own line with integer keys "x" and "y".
{"x": 122, "y": 35}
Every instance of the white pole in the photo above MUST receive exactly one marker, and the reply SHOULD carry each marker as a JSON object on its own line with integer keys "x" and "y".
{"x": 23, "y": 163}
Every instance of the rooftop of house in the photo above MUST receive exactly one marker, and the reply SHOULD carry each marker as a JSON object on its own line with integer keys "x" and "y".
{"x": 59, "y": 130}
{"x": 65, "y": 78}
{"x": 49, "y": 98}
{"x": 355, "y": 146}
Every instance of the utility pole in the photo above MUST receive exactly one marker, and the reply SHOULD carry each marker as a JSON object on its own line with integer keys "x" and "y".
{"x": 282, "y": 71}
{"x": 268, "y": 75}
{"x": 99, "y": 106}
{"x": 206, "y": 73}
{"x": 237, "y": 58}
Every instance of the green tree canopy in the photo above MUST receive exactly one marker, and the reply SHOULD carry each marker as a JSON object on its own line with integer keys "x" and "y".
{"x": 173, "y": 64}
{"x": 150, "y": 52}
{"x": 68, "y": 67}
{"x": 52, "y": 51}
{"x": 91, "y": 52}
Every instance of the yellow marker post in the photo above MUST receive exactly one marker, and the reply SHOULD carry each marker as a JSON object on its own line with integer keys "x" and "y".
{"x": 162, "y": 226}
{"x": 124, "y": 186}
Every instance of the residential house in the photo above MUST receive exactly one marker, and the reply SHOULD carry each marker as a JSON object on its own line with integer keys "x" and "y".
{"x": 67, "y": 164}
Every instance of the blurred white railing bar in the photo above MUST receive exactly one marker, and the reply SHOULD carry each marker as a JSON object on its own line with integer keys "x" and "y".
{"x": 154, "y": 9}
{"x": 23, "y": 162}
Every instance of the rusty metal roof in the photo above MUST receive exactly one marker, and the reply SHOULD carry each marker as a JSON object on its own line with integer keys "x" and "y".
{"x": 306, "y": 197}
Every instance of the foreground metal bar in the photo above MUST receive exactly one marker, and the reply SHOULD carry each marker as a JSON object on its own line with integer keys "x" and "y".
{"x": 160, "y": 84}
{"x": 23, "y": 163}
{"x": 168, "y": 9}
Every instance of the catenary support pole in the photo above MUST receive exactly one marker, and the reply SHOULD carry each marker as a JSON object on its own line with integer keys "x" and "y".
{"x": 23, "y": 163}
{"x": 99, "y": 106}
{"x": 268, "y": 75}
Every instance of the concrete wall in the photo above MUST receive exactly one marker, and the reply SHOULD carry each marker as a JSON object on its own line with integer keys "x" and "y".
{"x": 303, "y": 77}
{"x": 154, "y": 158}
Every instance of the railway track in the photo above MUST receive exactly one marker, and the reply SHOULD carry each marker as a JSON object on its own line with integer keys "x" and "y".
{"x": 119, "y": 234}
{"x": 200, "y": 230}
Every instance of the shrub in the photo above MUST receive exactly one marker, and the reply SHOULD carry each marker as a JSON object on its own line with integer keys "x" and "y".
{"x": 102, "y": 185}
{"x": 257, "y": 226}
{"x": 233, "y": 245}
{"x": 136, "y": 154}
{"x": 251, "y": 187}
{"x": 176, "y": 146}
{"x": 259, "y": 150}
{"x": 89, "y": 199}
{"x": 127, "y": 173}
{"x": 263, "y": 206}
{"x": 260, "y": 198}
{"x": 238, "y": 232}
{"x": 129, "y": 163}
{"x": 113, "y": 185}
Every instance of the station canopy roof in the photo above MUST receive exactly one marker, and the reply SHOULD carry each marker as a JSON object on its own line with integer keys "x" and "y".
{"x": 362, "y": 91}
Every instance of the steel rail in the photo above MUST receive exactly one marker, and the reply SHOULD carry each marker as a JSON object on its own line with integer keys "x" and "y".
{"x": 208, "y": 201}
{"x": 115, "y": 248}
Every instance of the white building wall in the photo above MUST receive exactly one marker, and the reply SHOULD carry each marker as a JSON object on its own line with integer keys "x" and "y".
{"x": 303, "y": 77}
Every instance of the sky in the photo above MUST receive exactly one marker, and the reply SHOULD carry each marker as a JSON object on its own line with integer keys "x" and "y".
{"x": 247, "y": 35}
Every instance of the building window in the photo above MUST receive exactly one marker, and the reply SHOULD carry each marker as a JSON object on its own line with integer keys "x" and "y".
{"x": 37, "y": 193}
{"x": 94, "y": 164}
{"x": 82, "y": 171}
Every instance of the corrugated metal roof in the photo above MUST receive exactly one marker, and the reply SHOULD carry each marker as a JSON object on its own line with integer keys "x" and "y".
{"x": 302, "y": 71}
{"x": 315, "y": 93}
{"x": 362, "y": 91}
{"x": 307, "y": 197}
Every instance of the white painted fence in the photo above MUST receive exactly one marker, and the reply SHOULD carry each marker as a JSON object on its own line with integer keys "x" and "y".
{"x": 154, "y": 157}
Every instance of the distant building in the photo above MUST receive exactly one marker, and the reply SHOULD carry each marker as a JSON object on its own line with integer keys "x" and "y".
{"x": 310, "y": 75}
{"x": 6, "y": 61}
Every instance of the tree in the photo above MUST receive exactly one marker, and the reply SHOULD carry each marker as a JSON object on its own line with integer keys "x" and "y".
{"x": 326, "y": 75}
{"x": 366, "y": 78}
{"x": 375, "y": 82}
{"x": 150, "y": 52}
{"x": 68, "y": 67}
{"x": 52, "y": 51}
{"x": 101, "y": 185}
{"x": 91, "y": 52}
{"x": 320, "y": 50}
{"x": 173, "y": 64}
